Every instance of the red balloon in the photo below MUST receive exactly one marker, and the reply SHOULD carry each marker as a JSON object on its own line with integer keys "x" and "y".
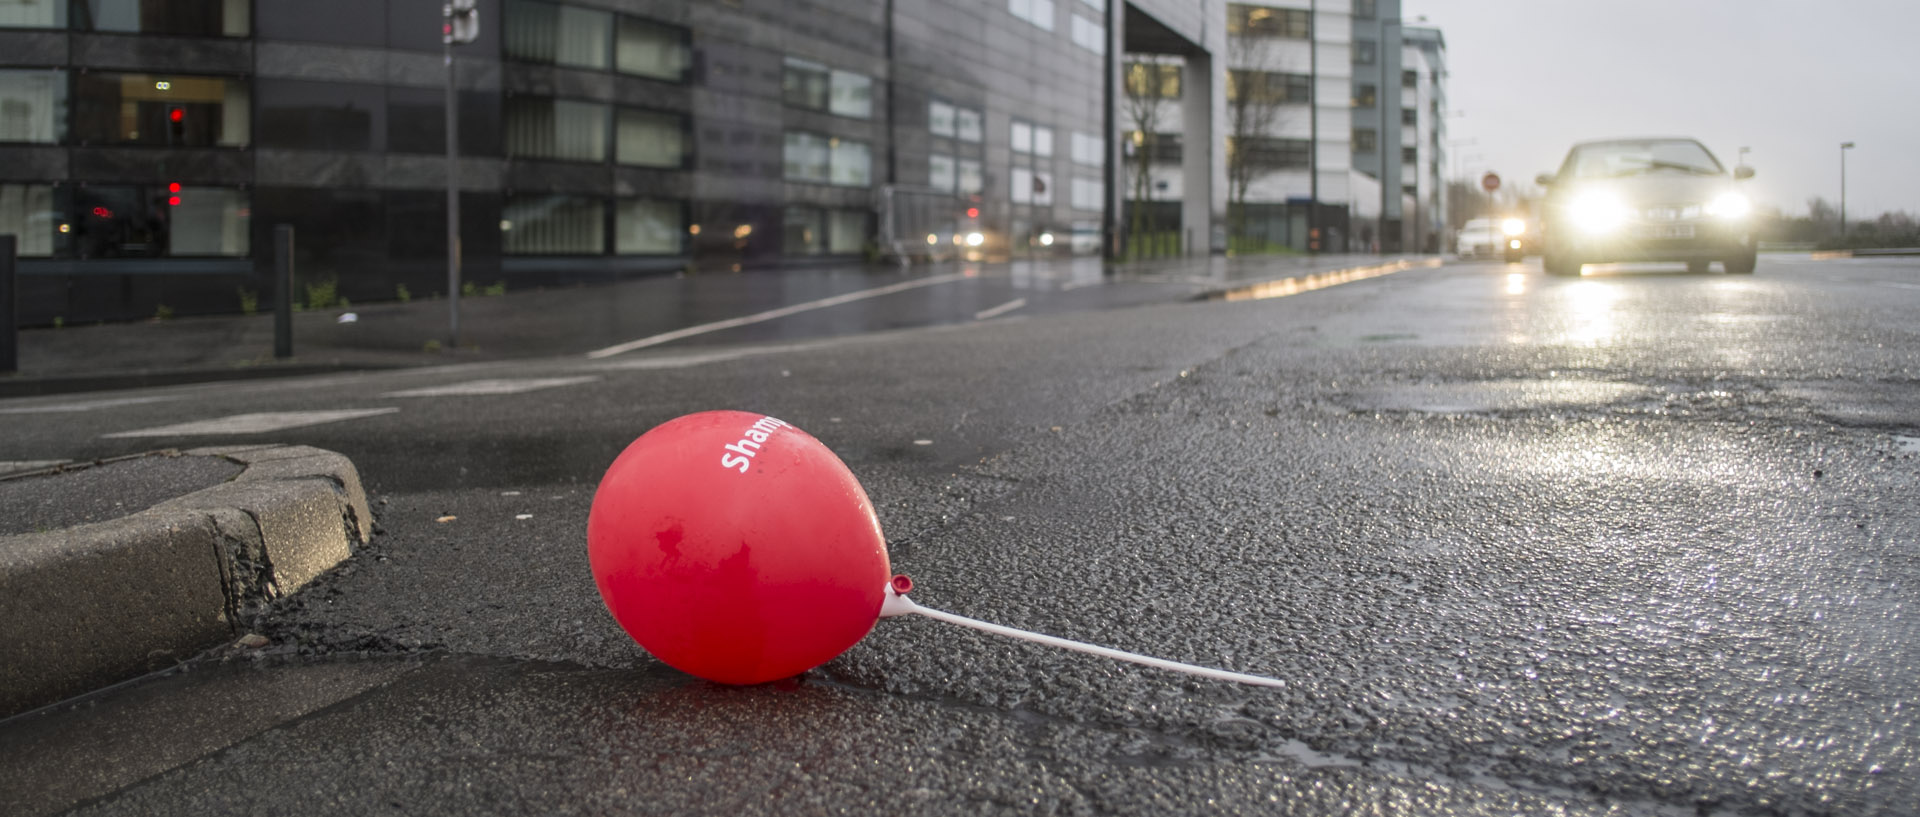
{"x": 737, "y": 548}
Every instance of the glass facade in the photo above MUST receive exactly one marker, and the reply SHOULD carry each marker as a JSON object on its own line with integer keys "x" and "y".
{"x": 553, "y": 225}
{"x": 557, "y": 34}
{"x": 564, "y": 129}
{"x": 185, "y": 18}
{"x": 33, "y": 106}
{"x": 650, "y": 139}
{"x": 167, "y": 110}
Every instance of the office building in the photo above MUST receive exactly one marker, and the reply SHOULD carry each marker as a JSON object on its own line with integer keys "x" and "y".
{"x": 148, "y": 148}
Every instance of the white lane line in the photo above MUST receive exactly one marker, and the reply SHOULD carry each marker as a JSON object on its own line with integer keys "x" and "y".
{"x": 84, "y": 405}
{"x": 1000, "y": 310}
{"x": 502, "y": 385}
{"x": 771, "y": 314}
{"x": 253, "y": 423}
{"x": 20, "y": 466}
{"x": 1904, "y": 286}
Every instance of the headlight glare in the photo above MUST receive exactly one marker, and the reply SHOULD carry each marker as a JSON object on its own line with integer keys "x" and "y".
{"x": 1730, "y": 205}
{"x": 1513, "y": 226}
{"x": 1599, "y": 211}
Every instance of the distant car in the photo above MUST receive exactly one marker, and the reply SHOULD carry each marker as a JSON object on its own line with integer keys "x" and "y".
{"x": 1654, "y": 199}
{"x": 1490, "y": 238}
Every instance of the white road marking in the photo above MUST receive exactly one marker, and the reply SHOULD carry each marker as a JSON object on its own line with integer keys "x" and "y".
{"x": 1904, "y": 286}
{"x": 1000, "y": 310}
{"x": 254, "y": 423}
{"x": 503, "y": 385}
{"x": 86, "y": 405}
{"x": 21, "y": 466}
{"x": 771, "y": 314}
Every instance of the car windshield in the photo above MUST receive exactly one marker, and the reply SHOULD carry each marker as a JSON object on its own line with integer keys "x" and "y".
{"x": 1606, "y": 160}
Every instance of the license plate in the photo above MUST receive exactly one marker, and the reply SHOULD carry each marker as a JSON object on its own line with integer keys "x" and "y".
{"x": 1666, "y": 231}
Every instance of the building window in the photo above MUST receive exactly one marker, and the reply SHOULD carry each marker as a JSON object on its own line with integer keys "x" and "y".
{"x": 152, "y": 221}
{"x": 1037, "y": 12}
{"x": 846, "y": 232}
{"x": 1268, "y": 153}
{"x": 1165, "y": 148}
{"x": 1089, "y": 35}
{"x": 649, "y": 138}
{"x": 1153, "y": 78}
{"x": 540, "y": 128}
{"x": 852, "y": 163}
{"x": 1088, "y": 149}
{"x": 1364, "y": 95}
{"x": 1020, "y": 186}
{"x": 805, "y": 84}
{"x": 208, "y": 221}
{"x": 940, "y": 118}
{"x": 33, "y": 106}
{"x": 1269, "y": 86}
{"x": 157, "y": 109}
{"x": 553, "y": 225}
{"x": 804, "y": 231}
{"x": 1261, "y": 21}
{"x": 1363, "y": 52}
{"x": 1042, "y": 141}
{"x": 806, "y": 157}
{"x": 1410, "y": 117}
{"x": 649, "y": 49}
{"x": 973, "y": 179}
{"x": 1409, "y": 79}
{"x": 33, "y": 14}
{"x": 852, "y": 95}
{"x": 967, "y": 125}
{"x": 1088, "y": 194}
{"x": 1365, "y": 140}
{"x": 1410, "y": 157}
{"x": 1022, "y": 137}
{"x": 187, "y": 18}
{"x": 940, "y": 172}
{"x": 557, "y": 34}
{"x": 648, "y": 227}
{"x": 814, "y": 158}
{"x": 28, "y": 211}
{"x": 1365, "y": 9}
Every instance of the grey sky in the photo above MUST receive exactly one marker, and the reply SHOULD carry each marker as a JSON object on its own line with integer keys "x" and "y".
{"x": 1791, "y": 79}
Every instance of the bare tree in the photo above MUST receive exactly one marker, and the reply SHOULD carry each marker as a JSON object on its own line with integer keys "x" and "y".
{"x": 1148, "y": 86}
{"x": 1256, "y": 94}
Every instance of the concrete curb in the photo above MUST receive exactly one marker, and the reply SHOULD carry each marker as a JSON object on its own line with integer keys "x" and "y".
{"x": 1284, "y": 285}
{"x": 99, "y": 603}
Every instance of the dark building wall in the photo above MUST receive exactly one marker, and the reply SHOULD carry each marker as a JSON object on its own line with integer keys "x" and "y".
{"x": 343, "y": 138}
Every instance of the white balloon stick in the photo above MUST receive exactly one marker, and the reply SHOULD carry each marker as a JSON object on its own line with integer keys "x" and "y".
{"x": 897, "y": 604}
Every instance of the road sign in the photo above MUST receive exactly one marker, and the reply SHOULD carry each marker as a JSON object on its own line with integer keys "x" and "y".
{"x": 1490, "y": 182}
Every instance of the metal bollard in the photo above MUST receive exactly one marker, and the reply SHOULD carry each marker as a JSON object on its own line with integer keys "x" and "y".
{"x": 9, "y": 306}
{"x": 283, "y": 291}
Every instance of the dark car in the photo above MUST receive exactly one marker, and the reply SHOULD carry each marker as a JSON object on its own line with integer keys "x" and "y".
{"x": 1655, "y": 199}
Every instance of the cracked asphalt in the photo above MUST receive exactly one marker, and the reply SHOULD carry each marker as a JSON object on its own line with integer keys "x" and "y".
{"x": 1639, "y": 543}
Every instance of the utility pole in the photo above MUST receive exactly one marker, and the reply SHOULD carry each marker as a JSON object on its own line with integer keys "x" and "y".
{"x": 1844, "y": 147}
{"x": 460, "y": 24}
{"x": 1313, "y": 127}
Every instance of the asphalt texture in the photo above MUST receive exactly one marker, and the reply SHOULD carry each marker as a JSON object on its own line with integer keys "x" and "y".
{"x": 77, "y": 495}
{"x": 1637, "y": 543}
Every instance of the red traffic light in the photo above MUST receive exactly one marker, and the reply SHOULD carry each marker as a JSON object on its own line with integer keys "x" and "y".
{"x": 973, "y": 212}
{"x": 176, "y": 114}
{"x": 173, "y": 201}
{"x": 174, "y": 187}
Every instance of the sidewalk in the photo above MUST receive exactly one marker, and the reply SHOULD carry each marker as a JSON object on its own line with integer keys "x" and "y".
{"x": 571, "y": 320}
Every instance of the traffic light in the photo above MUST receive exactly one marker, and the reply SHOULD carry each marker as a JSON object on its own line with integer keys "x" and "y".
{"x": 173, "y": 194}
{"x": 176, "y": 125}
{"x": 462, "y": 22}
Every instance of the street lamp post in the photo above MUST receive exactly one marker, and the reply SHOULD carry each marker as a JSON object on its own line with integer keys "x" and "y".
{"x": 1844, "y": 147}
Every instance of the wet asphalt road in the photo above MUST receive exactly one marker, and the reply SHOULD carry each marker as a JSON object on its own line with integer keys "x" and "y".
{"x": 1637, "y": 543}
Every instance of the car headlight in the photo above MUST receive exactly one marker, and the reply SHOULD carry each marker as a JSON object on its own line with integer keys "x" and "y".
{"x": 1730, "y": 205}
{"x": 1513, "y": 226}
{"x": 1599, "y": 211}
{"x": 975, "y": 239}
